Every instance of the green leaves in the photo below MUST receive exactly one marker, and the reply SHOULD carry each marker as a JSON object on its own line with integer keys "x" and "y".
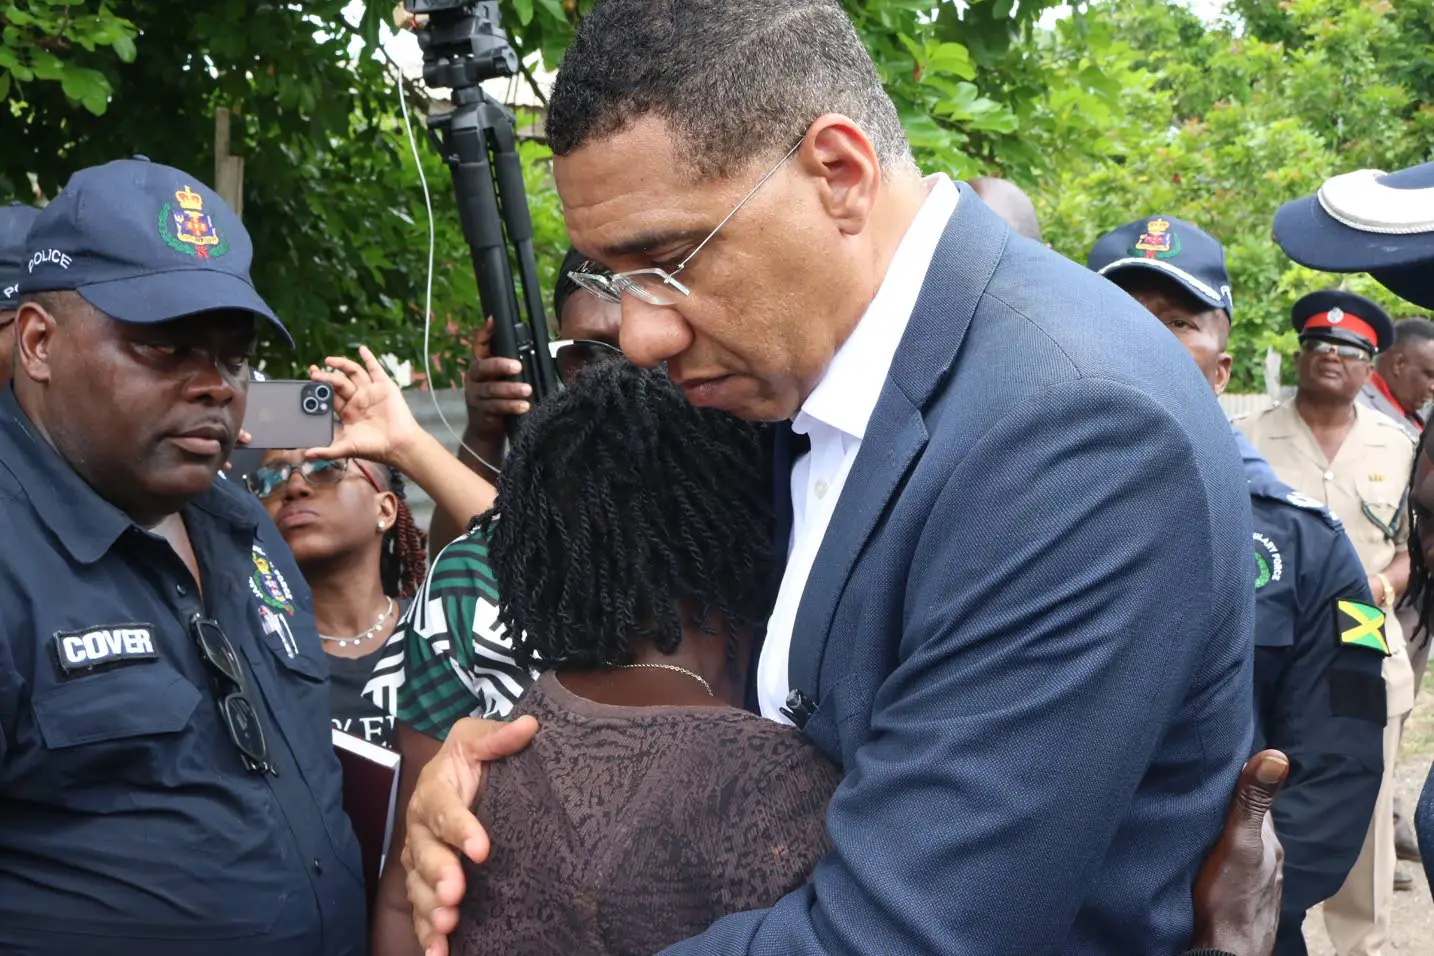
{"x": 50, "y": 41}
{"x": 89, "y": 87}
{"x": 1221, "y": 127}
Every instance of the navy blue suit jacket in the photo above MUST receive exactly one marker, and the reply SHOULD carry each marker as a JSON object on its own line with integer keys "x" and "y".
{"x": 1027, "y": 632}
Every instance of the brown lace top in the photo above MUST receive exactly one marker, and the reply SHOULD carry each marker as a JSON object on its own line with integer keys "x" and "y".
{"x": 622, "y": 830}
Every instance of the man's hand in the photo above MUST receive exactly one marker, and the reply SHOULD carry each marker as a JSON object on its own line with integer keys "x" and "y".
{"x": 1237, "y": 894}
{"x": 440, "y": 816}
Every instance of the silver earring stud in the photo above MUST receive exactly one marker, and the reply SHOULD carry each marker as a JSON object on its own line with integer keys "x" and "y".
{"x": 382, "y": 526}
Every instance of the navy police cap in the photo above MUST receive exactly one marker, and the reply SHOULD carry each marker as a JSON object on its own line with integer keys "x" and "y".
{"x": 1334, "y": 315}
{"x": 143, "y": 243}
{"x": 15, "y": 220}
{"x": 1172, "y": 247}
{"x": 1368, "y": 221}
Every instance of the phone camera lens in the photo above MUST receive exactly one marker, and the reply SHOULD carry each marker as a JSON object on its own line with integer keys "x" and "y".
{"x": 323, "y": 393}
{"x": 311, "y": 405}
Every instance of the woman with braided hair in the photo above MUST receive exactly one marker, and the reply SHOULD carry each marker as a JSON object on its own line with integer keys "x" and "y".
{"x": 632, "y": 546}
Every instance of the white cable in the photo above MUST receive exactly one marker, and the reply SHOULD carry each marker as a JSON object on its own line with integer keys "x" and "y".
{"x": 428, "y": 286}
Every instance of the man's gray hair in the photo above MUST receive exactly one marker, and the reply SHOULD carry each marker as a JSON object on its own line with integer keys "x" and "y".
{"x": 739, "y": 79}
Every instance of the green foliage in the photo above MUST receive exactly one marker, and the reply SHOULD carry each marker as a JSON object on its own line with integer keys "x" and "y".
{"x": 973, "y": 93}
{"x": 1222, "y": 126}
{"x": 1124, "y": 108}
{"x": 50, "y": 41}
{"x": 332, "y": 198}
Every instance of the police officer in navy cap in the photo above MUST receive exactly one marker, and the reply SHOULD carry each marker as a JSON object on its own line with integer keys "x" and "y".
{"x": 1317, "y": 699}
{"x": 15, "y": 220}
{"x": 167, "y": 779}
{"x": 1176, "y": 259}
{"x": 1382, "y": 223}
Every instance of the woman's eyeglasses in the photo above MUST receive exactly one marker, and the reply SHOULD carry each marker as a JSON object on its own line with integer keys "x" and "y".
{"x": 266, "y": 480}
{"x": 232, "y": 694}
{"x": 574, "y": 355}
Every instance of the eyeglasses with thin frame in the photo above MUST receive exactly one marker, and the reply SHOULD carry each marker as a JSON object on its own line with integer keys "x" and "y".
{"x": 237, "y": 711}
{"x": 266, "y": 480}
{"x": 1348, "y": 353}
{"x": 658, "y": 286}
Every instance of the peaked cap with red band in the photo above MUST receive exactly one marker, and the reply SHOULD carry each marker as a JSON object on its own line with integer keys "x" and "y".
{"x": 1337, "y": 316}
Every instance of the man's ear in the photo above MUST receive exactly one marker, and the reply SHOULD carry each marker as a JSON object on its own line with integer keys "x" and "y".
{"x": 35, "y": 331}
{"x": 839, "y": 155}
{"x": 1222, "y": 373}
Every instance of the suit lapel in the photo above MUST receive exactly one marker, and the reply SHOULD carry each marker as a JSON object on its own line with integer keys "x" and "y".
{"x": 965, "y": 260}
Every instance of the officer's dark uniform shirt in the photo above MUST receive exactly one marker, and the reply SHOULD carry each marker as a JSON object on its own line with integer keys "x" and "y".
{"x": 128, "y": 823}
{"x": 1319, "y": 695}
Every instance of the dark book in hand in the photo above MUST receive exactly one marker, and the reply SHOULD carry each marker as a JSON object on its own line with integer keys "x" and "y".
{"x": 370, "y": 795}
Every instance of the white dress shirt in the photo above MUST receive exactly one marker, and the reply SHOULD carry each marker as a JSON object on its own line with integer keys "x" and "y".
{"x": 835, "y": 416}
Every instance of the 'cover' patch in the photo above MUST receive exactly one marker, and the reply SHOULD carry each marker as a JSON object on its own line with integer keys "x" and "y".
{"x": 1360, "y": 625}
{"x": 105, "y": 645}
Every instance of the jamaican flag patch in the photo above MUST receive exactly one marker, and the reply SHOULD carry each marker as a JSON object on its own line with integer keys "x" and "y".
{"x": 1360, "y": 625}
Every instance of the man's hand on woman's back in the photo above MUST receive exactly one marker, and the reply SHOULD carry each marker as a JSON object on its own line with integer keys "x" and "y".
{"x": 1237, "y": 893}
{"x": 440, "y": 816}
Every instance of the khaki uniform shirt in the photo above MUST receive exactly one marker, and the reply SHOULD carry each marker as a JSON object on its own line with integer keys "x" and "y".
{"x": 1364, "y": 486}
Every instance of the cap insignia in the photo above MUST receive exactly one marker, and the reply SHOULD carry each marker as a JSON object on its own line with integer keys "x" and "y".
{"x": 1336, "y": 315}
{"x": 1158, "y": 241}
{"x": 189, "y": 229}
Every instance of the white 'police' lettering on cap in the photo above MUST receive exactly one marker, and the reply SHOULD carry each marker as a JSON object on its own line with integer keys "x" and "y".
{"x": 49, "y": 255}
{"x": 103, "y": 645}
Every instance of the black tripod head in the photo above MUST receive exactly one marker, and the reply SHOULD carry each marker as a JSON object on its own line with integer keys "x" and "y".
{"x": 463, "y": 44}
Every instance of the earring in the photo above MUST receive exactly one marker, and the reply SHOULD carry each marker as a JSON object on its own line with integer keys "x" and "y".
{"x": 382, "y": 526}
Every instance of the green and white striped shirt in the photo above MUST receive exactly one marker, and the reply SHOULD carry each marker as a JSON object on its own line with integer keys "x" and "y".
{"x": 457, "y": 662}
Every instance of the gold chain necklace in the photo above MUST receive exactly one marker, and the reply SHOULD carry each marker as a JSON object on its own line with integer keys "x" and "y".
{"x": 670, "y": 667}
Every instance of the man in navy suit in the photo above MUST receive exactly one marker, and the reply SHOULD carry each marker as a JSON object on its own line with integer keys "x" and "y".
{"x": 1018, "y": 603}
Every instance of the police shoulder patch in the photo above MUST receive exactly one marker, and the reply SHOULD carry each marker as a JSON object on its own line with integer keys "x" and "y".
{"x": 1357, "y": 624}
{"x": 1269, "y": 563}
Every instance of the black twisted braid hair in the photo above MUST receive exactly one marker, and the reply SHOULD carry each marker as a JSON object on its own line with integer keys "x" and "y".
{"x": 620, "y": 504}
{"x": 403, "y": 560}
{"x": 1420, "y": 593}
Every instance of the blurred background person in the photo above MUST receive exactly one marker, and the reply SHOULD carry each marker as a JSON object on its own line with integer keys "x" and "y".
{"x": 587, "y": 329}
{"x": 1402, "y": 382}
{"x": 1010, "y": 202}
{"x": 356, "y": 543}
